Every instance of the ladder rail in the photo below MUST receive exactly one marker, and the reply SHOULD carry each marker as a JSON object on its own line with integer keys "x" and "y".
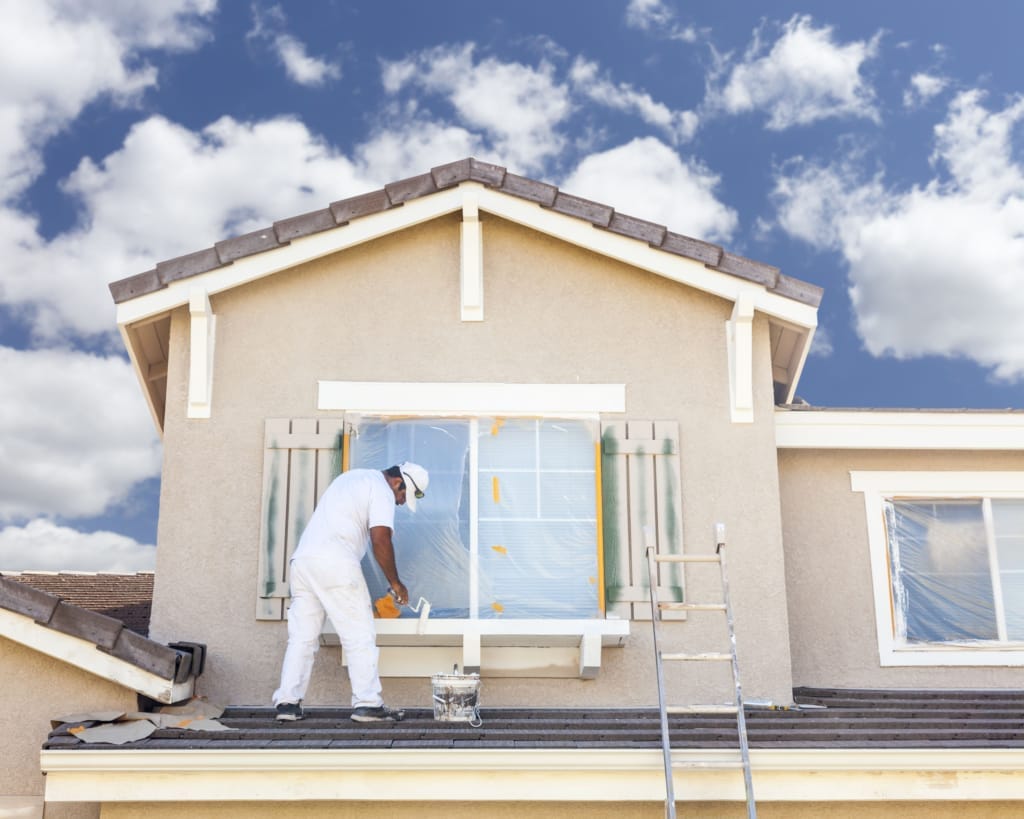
{"x": 725, "y": 607}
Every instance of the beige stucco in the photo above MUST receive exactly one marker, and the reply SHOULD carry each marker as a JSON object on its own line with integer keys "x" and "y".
{"x": 828, "y": 572}
{"x": 36, "y": 689}
{"x": 389, "y": 311}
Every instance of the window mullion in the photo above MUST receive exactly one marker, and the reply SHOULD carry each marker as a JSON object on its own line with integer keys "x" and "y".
{"x": 474, "y": 518}
{"x": 993, "y": 562}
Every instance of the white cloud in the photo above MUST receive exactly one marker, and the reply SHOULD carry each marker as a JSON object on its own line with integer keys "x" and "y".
{"x": 44, "y": 546}
{"x": 805, "y": 76}
{"x": 933, "y": 270}
{"x": 922, "y": 88}
{"x": 299, "y": 66}
{"x": 821, "y": 344}
{"x": 56, "y": 56}
{"x": 166, "y": 191}
{"x": 680, "y": 126}
{"x": 645, "y": 178}
{"x": 654, "y": 15}
{"x": 519, "y": 107}
{"x": 75, "y": 434}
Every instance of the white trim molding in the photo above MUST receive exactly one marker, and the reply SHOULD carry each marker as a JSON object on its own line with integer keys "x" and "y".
{"x": 416, "y": 398}
{"x": 879, "y": 486}
{"x": 880, "y": 429}
{"x": 203, "y": 325}
{"x": 555, "y": 775}
{"x": 471, "y": 259}
{"x": 740, "y": 343}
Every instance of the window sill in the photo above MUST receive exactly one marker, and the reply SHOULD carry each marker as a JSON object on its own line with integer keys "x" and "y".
{"x": 512, "y": 648}
{"x": 964, "y": 654}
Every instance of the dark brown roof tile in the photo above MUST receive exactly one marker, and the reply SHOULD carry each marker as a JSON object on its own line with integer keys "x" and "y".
{"x": 306, "y": 224}
{"x": 133, "y": 286}
{"x": 125, "y": 597}
{"x": 345, "y": 210}
{"x": 637, "y": 229}
{"x": 529, "y": 189}
{"x": 142, "y": 652}
{"x": 89, "y": 625}
{"x": 594, "y": 212}
{"x": 692, "y": 248}
{"x": 799, "y": 290}
{"x": 411, "y": 188}
{"x": 468, "y": 170}
{"x": 247, "y": 245}
{"x": 746, "y": 268}
{"x": 191, "y": 264}
{"x": 22, "y": 598}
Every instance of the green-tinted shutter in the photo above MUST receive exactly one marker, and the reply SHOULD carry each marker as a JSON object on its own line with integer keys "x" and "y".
{"x": 301, "y": 457}
{"x": 640, "y": 489}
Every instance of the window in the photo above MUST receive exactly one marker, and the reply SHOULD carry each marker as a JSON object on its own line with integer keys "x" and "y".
{"x": 509, "y": 526}
{"x": 948, "y": 566}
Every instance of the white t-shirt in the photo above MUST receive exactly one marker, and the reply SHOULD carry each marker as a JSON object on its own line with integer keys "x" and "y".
{"x": 355, "y": 502}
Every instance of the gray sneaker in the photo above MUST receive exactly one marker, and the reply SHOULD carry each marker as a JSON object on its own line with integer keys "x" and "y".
{"x": 289, "y": 711}
{"x": 380, "y": 713}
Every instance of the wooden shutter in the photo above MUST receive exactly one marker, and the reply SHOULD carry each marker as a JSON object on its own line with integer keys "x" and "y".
{"x": 301, "y": 457}
{"x": 640, "y": 489}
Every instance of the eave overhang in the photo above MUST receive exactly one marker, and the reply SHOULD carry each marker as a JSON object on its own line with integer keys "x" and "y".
{"x": 545, "y": 774}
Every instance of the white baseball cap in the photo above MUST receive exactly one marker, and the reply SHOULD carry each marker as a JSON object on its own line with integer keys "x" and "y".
{"x": 416, "y": 480}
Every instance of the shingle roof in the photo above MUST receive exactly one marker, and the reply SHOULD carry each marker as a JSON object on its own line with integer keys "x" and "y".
{"x": 125, "y": 597}
{"x": 821, "y": 718}
{"x": 439, "y": 178}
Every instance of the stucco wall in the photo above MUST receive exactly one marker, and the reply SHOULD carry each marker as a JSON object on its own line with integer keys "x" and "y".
{"x": 828, "y": 571}
{"x": 389, "y": 311}
{"x": 35, "y": 690}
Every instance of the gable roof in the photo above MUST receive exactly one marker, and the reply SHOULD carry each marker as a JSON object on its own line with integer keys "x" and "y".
{"x": 125, "y": 597}
{"x": 145, "y": 300}
{"x": 96, "y": 642}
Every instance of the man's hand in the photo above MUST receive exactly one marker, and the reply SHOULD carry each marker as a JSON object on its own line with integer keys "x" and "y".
{"x": 400, "y": 592}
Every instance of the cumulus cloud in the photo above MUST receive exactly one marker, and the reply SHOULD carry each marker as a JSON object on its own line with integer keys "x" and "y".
{"x": 934, "y": 270}
{"x": 519, "y": 108}
{"x": 656, "y": 16}
{"x": 922, "y": 88}
{"x": 679, "y": 126}
{"x": 75, "y": 434}
{"x": 44, "y": 546}
{"x": 803, "y": 77}
{"x": 299, "y": 65}
{"x": 647, "y": 179}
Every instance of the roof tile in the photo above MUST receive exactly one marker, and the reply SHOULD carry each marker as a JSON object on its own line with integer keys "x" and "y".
{"x": 802, "y": 291}
{"x": 414, "y": 186}
{"x": 306, "y": 224}
{"x": 692, "y": 248}
{"x": 246, "y": 245}
{"x": 529, "y": 189}
{"x": 746, "y": 268}
{"x": 345, "y": 210}
{"x": 190, "y": 264}
{"x": 133, "y": 286}
{"x": 89, "y": 625}
{"x": 468, "y": 170}
{"x": 635, "y": 228}
{"x": 24, "y": 599}
{"x": 146, "y": 654}
{"x": 594, "y": 212}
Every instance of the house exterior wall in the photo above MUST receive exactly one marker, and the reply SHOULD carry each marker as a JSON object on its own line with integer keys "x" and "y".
{"x": 828, "y": 572}
{"x": 389, "y": 311}
{"x": 35, "y": 690}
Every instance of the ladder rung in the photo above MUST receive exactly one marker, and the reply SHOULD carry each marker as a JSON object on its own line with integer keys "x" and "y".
{"x": 708, "y": 655}
{"x": 691, "y": 606}
{"x": 700, "y": 709}
{"x": 664, "y": 558}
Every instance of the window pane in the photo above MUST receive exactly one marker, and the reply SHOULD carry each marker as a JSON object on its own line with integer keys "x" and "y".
{"x": 942, "y": 584}
{"x": 432, "y": 545}
{"x": 1008, "y": 521}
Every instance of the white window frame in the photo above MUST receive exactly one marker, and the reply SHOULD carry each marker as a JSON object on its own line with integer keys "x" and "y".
{"x": 578, "y": 642}
{"x": 878, "y": 487}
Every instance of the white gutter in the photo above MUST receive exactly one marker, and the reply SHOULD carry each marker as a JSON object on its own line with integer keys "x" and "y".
{"x": 497, "y": 775}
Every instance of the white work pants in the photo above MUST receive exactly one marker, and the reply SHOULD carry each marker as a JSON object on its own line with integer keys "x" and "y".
{"x": 321, "y": 588}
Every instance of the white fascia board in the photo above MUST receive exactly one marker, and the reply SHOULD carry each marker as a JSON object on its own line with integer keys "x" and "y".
{"x": 639, "y": 254}
{"x": 498, "y": 775}
{"x": 796, "y": 429}
{"x": 298, "y": 252}
{"x": 458, "y": 398}
{"x": 86, "y": 656}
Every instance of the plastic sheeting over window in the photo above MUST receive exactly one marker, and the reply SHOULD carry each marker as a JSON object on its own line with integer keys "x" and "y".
{"x": 508, "y": 527}
{"x": 957, "y": 569}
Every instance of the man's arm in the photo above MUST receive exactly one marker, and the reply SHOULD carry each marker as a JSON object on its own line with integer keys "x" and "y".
{"x": 384, "y": 553}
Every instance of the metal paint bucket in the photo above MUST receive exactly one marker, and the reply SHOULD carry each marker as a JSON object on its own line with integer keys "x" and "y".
{"x": 457, "y": 698}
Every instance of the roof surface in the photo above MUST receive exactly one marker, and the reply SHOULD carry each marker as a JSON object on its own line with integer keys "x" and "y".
{"x": 125, "y": 597}
{"x": 395, "y": 194}
{"x": 822, "y": 718}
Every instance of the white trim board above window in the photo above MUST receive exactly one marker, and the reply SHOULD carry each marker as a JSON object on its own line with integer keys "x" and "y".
{"x": 454, "y": 398}
{"x": 933, "y": 536}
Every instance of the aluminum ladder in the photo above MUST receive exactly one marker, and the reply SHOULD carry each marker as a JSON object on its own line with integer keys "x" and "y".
{"x": 660, "y": 657}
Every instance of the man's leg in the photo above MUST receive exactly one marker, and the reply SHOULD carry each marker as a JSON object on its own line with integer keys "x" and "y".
{"x": 305, "y": 622}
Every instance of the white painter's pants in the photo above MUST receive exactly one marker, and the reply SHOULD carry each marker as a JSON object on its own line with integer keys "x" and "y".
{"x": 324, "y": 587}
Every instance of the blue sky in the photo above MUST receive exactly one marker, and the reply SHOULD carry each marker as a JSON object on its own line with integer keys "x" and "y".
{"x": 875, "y": 149}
